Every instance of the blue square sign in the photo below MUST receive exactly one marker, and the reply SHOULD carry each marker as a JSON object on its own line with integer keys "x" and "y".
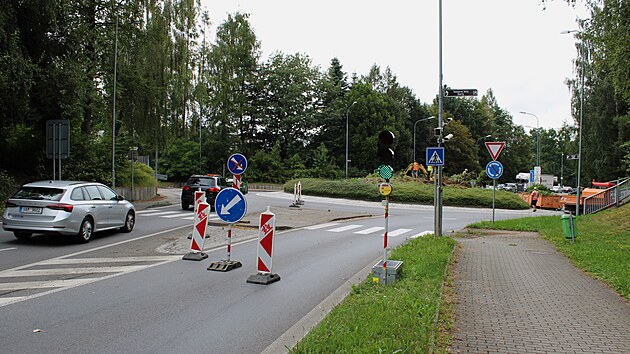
{"x": 435, "y": 156}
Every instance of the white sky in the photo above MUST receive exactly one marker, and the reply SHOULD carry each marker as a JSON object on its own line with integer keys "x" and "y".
{"x": 511, "y": 46}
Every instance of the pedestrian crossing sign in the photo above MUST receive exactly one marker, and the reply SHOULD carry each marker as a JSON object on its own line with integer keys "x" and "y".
{"x": 435, "y": 156}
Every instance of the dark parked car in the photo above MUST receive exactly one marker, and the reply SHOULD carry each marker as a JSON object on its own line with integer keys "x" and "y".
{"x": 211, "y": 184}
{"x": 66, "y": 208}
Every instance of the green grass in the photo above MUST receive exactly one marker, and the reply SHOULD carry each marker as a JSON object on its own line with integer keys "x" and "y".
{"x": 602, "y": 246}
{"x": 395, "y": 318}
{"x": 406, "y": 191}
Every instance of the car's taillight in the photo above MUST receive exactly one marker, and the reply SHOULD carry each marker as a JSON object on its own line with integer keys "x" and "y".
{"x": 213, "y": 189}
{"x": 9, "y": 204}
{"x": 61, "y": 206}
{"x": 186, "y": 188}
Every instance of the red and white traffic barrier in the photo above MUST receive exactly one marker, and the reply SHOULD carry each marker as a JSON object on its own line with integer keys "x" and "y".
{"x": 200, "y": 196}
{"x": 297, "y": 195}
{"x": 236, "y": 182}
{"x": 199, "y": 233}
{"x": 266, "y": 233}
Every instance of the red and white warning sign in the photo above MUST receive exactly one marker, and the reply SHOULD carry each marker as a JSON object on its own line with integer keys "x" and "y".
{"x": 266, "y": 233}
{"x": 200, "y": 196}
{"x": 199, "y": 229}
{"x": 236, "y": 182}
{"x": 495, "y": 148}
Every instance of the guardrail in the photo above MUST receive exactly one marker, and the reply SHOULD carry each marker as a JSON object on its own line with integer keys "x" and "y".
{"x": 614, "y": 195}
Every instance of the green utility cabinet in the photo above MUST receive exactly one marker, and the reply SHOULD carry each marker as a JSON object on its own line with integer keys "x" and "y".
{"x": 569, "y": 226}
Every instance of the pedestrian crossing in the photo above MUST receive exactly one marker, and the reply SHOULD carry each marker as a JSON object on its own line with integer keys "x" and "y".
{"x": 335, "y": 228}
{"x": 41, "y": 278}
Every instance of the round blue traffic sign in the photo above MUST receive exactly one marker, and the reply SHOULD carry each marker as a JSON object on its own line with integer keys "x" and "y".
{"x": 237, "y": 164}
{"x": 230, "y": 205}
{"x": 494, "y": 169}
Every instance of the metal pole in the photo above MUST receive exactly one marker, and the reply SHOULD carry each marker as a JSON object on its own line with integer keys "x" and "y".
{"x": 132, "y": 170}
{"x": 229, "y": 245}
{"x": 54, "y": 147}
{"x": 59, "y": 137}
{"x": 577, "y": 200}
{"x": 438, "y": 181}
{"x": 347, "y": 113}
{"x": 494, "y": 190}
{"x": 385, "y": 237}
{"x": 114, "y": 109}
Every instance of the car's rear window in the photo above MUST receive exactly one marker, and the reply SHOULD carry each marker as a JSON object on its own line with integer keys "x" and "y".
{"x": 201, "y": 181}
{"x": 39, "y": 193}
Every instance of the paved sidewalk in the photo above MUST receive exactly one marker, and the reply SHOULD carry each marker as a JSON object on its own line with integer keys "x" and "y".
{"x": 518, "y": 295}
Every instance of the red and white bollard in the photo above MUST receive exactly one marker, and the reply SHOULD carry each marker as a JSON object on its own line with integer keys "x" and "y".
{"x": 236, "y": 182}
{"x": 200, "y": 196}
{"x": 297, "y": 195}
{"x": 266, "y": 233}
{"x": 199, "y": 233}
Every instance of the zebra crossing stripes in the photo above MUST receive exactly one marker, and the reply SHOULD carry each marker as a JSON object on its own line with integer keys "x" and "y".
{"x": 344, "y": 228}
{"x": 171, "y": 214}
{"x": 321, "y": 226}
{"x": 371, "y": 230}
{"x": 330, "y": 227}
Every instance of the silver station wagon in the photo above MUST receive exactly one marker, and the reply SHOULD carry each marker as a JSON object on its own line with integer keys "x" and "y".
{"x": 66, "y": 208}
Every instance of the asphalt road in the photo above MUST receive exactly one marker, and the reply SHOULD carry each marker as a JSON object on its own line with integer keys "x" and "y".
{"x": 134, "y": 293}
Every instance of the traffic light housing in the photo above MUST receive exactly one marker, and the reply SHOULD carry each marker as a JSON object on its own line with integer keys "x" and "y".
{"x": 385, "y": 141}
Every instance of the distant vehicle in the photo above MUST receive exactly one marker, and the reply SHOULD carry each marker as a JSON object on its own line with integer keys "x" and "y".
{"x": 66, "y": 208}
{"x": 210, "y": 183}
{"x": 510, "y": 187}
{"x": 501, "y": 186}
{"x": 568, "y": 189}
{"x": 556, "y": 189}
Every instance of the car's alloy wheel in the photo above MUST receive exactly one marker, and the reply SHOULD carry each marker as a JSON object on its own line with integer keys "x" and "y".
{"x": 85, "y": 231}
{"x": 130, "y": 221}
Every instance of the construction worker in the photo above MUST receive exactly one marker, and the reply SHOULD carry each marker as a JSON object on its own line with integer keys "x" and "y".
{"x": 534, "y": 198}
{"x": 416, "y": 170}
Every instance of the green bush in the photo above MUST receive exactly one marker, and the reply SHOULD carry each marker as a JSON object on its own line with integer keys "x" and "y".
{"x": 8, "y": 186}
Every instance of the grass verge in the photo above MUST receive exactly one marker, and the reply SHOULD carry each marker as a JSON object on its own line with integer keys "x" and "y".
{"x": 602, "y": 246}
{"x": 395, "y": 318}
{"x": 406, "y": 190}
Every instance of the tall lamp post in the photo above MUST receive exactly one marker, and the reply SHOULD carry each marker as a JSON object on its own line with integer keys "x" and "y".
{"x": 414, "y": 135}
{"x": 114, "y": 109}
{"x": 537, "y": 137}
{"x": 347, "y": 113}
{"x": 577, "y": 204}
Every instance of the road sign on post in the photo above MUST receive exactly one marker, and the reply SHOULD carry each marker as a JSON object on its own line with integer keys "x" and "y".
{"x": 494, "y": 169}
{"x": 237, "y": 164}
{"x": 435, "y": 156}
{"x": 495, "y": 148}
{"x": 231, "y": 206}
{"x": 460, "y": 92}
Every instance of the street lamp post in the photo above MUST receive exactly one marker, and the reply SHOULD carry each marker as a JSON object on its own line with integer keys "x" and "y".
{"x": 347, "y": 113}
{"x": 537, "y": 137}
{"x": 114, "y": 108}
{"x": 414, "y": 135}
{"x": 577, "y": 200}
{"x": 483, "y": 138}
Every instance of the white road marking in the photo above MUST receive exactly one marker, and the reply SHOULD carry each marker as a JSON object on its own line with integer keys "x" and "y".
{"x": 344, "y": 228}
{"x": 370, "y": 230}
{"x": 109, "y": 260}
{"x": 70, "y": 271}
{"x": 8, "y": 249}
{"x": 45, "y": 284}
{"x": 321, "y": 226}
{"x": 9, "y": 300}
{"x": 160, "y": 213}
{"x": 423, "y": 233}
{"x": 175, "y": 215}
{"x": 398, "y": 232}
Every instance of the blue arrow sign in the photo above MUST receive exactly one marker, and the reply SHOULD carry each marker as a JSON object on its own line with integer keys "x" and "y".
{"x": 494, "y": 169}
{"x": 230, "y": 205}
{"x": 435, "y": 156}
{"x": 237, "y": 164}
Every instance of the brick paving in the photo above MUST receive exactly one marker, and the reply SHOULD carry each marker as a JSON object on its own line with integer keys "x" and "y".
{"x": 518, "y": 295}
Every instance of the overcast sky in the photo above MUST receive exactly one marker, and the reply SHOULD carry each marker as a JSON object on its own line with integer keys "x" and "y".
{"x": 510, "y": 46}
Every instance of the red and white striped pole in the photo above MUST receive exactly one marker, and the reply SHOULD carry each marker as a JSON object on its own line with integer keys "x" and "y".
{"x": 266, "y": 233}
{"x": 236, "y": 182}
{"x": 199, "y": 233}
{"x": 229, "y": 245}
{"x": 385, "y": 235}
